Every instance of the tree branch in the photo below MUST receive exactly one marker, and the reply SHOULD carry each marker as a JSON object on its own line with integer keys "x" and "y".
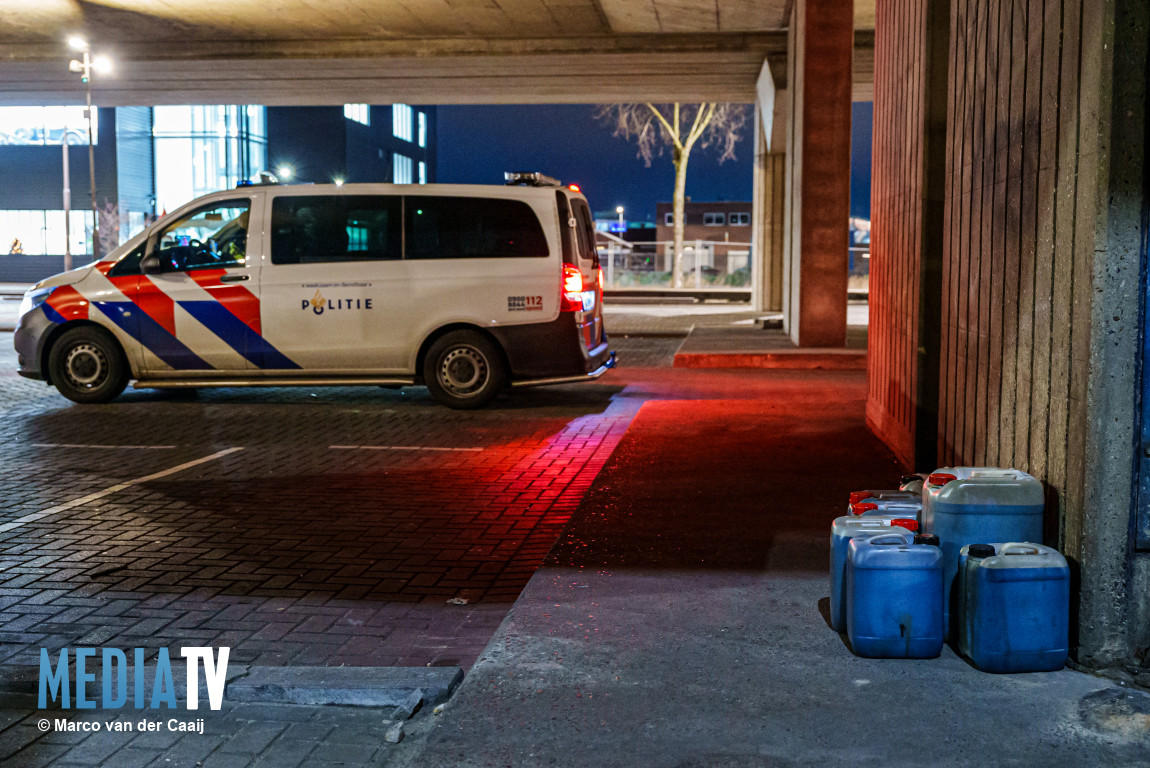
{"x": 672, "y": 133}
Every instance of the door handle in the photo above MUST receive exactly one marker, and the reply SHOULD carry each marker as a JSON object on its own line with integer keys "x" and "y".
{"x": 233, "y": 278}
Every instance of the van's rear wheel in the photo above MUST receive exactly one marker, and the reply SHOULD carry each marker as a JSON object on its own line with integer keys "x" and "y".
{"x": 464, "y": 369}
{"x": 87, "y": 365}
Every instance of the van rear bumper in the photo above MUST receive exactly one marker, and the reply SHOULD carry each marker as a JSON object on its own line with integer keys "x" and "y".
{"x": 552, "y": 350}
{"x": 568, "y": 379}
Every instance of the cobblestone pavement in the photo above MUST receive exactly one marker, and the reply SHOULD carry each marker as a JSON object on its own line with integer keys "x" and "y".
{"x": 236, "y": 736}
{"x": 296, "y": 526}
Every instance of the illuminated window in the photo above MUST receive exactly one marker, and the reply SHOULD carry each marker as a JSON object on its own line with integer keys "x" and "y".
{"x": 38, "y": 126}
{"x": 714, "y": 219}
{"x": 401, "y": 118}
{"x": 401, "y": 168}
{"x": 422, "y": 129}
{"x": 741, "y": 219}
{"x": 422, "y": 172}
{"x": 360, "y": 113}
{"x": 201, "y": 149}
{"x": 37, "y": 233}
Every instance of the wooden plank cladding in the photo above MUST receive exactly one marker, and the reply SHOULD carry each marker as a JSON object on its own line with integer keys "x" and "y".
{"x": 1002, "y": 329}
{"x": 1038, "y": 254}
{"x": 906, "y": 230}
{"x": 1009, "y": 253}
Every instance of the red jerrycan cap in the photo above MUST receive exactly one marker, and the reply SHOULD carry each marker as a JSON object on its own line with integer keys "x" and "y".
{"x": 909, "y": 523}
{"x": 862, "y": 506}
{"x": 940, "y": 478}
{"x": 857, "y": 496}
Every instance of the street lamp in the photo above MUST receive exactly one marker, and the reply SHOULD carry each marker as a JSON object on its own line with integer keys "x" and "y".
{"x": 84, "y": 67}
{"x": 619, "y": 210}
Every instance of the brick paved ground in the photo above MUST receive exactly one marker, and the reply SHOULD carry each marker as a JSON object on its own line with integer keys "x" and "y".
{"x": 291, "y": 551}
{"x": 237, "y": 736}
{"x": 335, "y": 535}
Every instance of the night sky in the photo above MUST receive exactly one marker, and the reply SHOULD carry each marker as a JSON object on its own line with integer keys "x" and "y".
{"x": 476, "y": 144}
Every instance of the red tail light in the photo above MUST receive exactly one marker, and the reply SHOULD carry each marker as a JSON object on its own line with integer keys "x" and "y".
{"x": 857, "y": 496}
{"x": 572, "y": 280}
{"x": 910, "y": 525}
{"x": 571, "y": 299}
{"x": 863, "y": 506}
{"x": 940, "y": 479}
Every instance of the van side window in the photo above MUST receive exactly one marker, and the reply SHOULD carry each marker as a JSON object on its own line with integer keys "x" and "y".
{"x": 130, "y": 263}
{"x": 471, "y": 228}
{"x": 327, "y": 228}
{"x": 586, "y": 230}
{"x": 212, "y": 237}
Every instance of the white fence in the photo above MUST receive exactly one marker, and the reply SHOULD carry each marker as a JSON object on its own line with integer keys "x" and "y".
{"x": 711, "y": 265}
{"x": 706, "y": 264}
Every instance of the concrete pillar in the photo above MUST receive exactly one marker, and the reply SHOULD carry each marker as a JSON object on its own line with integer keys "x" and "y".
{"x": 767, "y": 221}
{"x": 820, "y": 48}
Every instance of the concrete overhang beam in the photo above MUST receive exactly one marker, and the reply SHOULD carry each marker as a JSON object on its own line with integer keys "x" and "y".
{"x": 619, "y": 68}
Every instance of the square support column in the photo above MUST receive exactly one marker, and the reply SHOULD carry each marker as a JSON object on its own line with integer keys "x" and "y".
{"x": 767, "y": 222}
{"x": 820, "y": 50}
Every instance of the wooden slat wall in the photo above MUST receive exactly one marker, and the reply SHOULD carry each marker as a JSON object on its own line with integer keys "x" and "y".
{"x": 1010, "y": 302}
{"x": 1011, "y": 254}
{"x": 898, "y": 194}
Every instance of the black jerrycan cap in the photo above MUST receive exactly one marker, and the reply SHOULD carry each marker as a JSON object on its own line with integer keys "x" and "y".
{"x": 927, "y": 538}
{"x": 980, "y": 550}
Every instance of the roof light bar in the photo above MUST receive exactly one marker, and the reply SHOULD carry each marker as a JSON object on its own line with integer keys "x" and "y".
{"x": 530, "y": 179}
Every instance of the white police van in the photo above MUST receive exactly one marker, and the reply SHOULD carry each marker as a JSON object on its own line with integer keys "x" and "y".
{"x": 466, "y": 289}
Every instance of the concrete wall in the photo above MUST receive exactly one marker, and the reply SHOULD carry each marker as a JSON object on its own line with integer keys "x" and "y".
{"x": 1042, "y": 245}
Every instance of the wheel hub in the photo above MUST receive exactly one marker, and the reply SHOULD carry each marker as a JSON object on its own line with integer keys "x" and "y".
{"x": 463, "y": 371}
{"x": 86, "y": 366}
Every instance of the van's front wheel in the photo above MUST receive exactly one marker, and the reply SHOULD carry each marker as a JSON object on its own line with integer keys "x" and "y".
{"x": 463, "y": 369}
{"x": 88, "y": 366}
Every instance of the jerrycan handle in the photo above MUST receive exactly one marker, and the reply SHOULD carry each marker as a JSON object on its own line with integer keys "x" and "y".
{"x": 1015, "y": 548}
{"x": 888, "y": 538}
{"x": 994, "y": 473}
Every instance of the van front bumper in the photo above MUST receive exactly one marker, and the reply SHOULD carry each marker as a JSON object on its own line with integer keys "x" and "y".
{"x": 32, "y": 330}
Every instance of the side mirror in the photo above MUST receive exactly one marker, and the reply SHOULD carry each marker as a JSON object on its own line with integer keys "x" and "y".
{"x": 150, "y": 264}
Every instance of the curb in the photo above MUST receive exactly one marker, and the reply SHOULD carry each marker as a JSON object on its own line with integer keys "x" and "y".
{"x": 347, "y": 686}
{"x": 381, "y": 687}
{"x": 847, "y": 360}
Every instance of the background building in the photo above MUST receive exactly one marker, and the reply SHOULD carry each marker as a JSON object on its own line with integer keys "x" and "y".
{"x": 150, "y": 160}
{"x": 725, "y": 231}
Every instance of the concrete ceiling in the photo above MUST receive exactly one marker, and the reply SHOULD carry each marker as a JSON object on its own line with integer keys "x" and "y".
{"x": 379, "y": 51}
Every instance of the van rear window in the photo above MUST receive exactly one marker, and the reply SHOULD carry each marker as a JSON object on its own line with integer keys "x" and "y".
{"x": 472, "y": 228}
{"x": 327, "y": 228}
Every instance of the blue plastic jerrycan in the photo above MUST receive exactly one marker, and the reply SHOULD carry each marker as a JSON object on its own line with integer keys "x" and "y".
{"x": 893, "y": 595}
{"x": 968, "y": 505}
{"x": 878, "y": 501}
{"x": 1014, "y": 607}
{"x": 842, "y": 530}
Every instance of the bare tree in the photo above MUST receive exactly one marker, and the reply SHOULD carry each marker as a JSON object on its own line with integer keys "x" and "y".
{"x": 681, "y": 127}
{"x": 108, "y": 230}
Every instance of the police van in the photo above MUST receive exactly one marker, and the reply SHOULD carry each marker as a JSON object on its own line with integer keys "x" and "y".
{"x": 465, "y": 289}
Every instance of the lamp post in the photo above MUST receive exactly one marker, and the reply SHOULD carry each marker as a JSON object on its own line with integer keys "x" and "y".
{"x": 67, "y": 204}
{"x": 619, "y": 210}
{"x": 84, "y": 66}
